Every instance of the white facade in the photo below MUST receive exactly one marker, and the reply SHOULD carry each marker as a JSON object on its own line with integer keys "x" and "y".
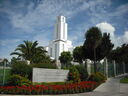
{"x": 60, "y": 42}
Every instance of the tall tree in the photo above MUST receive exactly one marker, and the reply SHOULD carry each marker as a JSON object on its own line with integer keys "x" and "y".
{"x": 93, "y": 39}
{"x": 65, "y": 58}
{"x": 96, "y": 45}
{"x": 120, "y": 55}
{"x": 30, "y": 51}
{"x": 77, "y": 54}
{"x": 105, "y": 47}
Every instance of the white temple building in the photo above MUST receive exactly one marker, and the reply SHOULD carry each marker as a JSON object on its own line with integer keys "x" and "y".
{"x": 60, "y": 42}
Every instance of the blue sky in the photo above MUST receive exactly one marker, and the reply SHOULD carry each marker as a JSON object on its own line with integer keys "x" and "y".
{"x": 34, "y": 20}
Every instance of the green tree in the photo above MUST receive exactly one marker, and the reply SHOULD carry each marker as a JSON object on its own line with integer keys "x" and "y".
{"x": 104, "y": 48}
{"x": 77, "y": 54}
{"x": 120, "y": 55}
{"x": 65, "y": 58}
{"x": 30, "y": 51}
{"x": 96, "y": 45}
{"x": 93, "y": 39}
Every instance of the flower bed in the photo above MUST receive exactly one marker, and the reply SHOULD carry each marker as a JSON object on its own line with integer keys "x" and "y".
{"x": 83, "y": 86}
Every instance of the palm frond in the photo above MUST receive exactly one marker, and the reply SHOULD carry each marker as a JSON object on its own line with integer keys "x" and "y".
{"x": 16, "y": 53}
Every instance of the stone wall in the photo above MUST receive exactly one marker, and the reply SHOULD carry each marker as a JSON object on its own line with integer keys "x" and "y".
{"x": 49, "y": 75}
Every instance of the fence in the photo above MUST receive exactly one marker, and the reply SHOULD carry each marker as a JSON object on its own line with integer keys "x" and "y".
{"x": 110, "y": 69}
{"x": 4, "y": 73}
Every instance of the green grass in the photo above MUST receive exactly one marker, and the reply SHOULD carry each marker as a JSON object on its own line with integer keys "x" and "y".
{"x": 7, "y": 75}
{"x": 124, "y": 80}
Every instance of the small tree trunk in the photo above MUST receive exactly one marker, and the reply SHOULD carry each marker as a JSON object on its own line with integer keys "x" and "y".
{"x": 95, "y": 67}
{"x": 85, "y": 64}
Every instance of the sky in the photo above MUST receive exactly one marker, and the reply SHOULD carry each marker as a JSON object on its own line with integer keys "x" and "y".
{"x": 35, "y": 20}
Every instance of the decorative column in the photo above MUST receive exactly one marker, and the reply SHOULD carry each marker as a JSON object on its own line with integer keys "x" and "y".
{"x": 88, "y": 66}
{"x": 58, "y": 64}
{"x": 114, "y": 67}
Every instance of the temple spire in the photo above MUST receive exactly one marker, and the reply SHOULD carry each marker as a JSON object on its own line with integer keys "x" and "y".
{"x": 61, "y": 28}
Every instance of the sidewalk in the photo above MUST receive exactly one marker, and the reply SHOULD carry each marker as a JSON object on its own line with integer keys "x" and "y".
{"x": 112, "y": 87}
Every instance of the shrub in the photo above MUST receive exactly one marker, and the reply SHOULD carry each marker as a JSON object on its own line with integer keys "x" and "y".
{"x": 7, "y": 75}
{"x": 98, "y": 77}
{"x": 73, "y": 74}
{"x": 44, "y": 65}
{"x": 21, "y": 68}
{"x": 83, "y": 72}
{"x": 124, "y": 80}
{"x": 18, "y": 80}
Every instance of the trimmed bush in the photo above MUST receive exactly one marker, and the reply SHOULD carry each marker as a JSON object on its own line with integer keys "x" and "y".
{"x": 74, "y": 75}
{"x": 83, "y": 72}
{"x": 18, "y": 80}
{"x": 98, "y": 77}
{"x": 44, "y": 65}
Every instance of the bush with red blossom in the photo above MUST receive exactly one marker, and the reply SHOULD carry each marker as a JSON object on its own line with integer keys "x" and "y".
{"x": 71, "y": 88}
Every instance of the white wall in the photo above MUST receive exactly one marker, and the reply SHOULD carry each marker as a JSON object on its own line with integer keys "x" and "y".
{"x": 49, "y": 75}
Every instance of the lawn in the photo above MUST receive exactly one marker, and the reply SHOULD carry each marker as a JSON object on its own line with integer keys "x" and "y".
{"x": 7, "y": 75}
{"x": 124, "y": 80}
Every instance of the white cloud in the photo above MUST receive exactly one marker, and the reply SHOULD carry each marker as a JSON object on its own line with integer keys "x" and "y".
{"x": 7, "y": 46}
{"x": 72, "y": 38}
{"x": 124, "y": 38}
{"x": 45, "y": 13}
{"x": 44, "y": 16}
{"x": 42, "y": 39}
{"x": 106, "y": 27}
{"x": 117, "y": 40}
{"x": 121, "y": 10}
{"x": 8, "y": 42}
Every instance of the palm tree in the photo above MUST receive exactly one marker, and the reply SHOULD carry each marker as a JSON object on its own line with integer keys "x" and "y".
{"x": 4, "y": 61}
{"x": 93, "y": 39}
{"x": 29, "y": 51}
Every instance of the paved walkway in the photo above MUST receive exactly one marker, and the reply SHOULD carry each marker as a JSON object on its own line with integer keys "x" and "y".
{"x": 112, "y": 87}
